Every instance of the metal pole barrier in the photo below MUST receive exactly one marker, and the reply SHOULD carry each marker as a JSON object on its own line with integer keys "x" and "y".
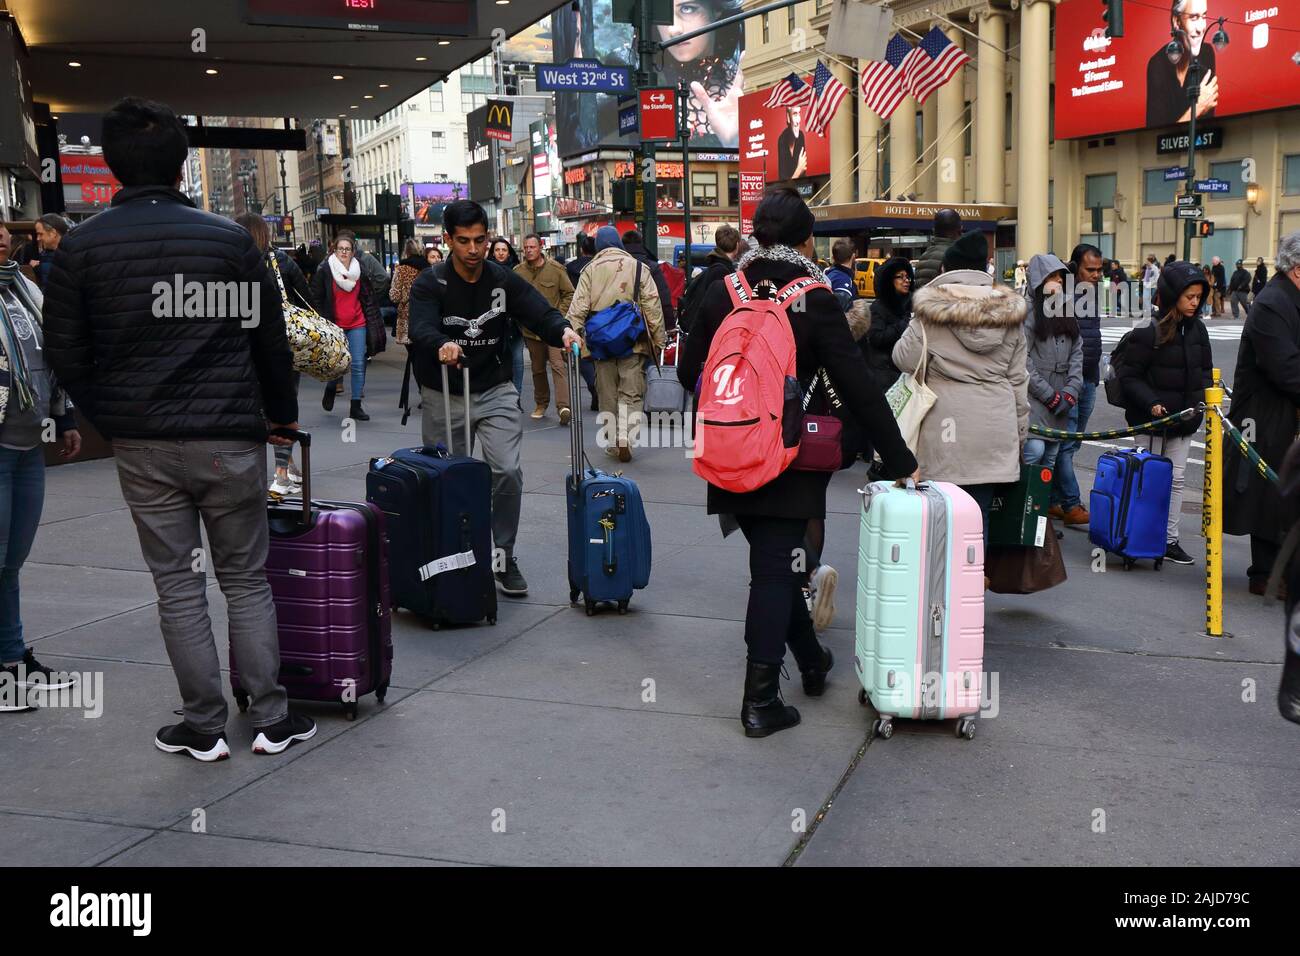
{"x": 1212, "y": 510}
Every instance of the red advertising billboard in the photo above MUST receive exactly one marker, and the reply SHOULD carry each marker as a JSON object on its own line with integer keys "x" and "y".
{"x": 751, "y": 192}
{"x": 658, "y": 113}
{"x": 91, "y": 173}
{"x": 774, "y": 142}
{"x": 1106, "y": 85}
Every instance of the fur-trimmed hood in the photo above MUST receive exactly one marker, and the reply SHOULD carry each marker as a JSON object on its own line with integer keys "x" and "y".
{"x": 978, "y": 313}
{"x": 859, "y": 316}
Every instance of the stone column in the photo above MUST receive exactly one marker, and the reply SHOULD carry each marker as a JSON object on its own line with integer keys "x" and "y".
{"x": 843, "y": 145}
{"x": 990, "y": 106}
{"x": 925, "y": 188}
{"x": 1032, "y": 140}
{"x": 869, "y": 161}
{"x": 902, "y": 149}
{"x": 951, "y": 167}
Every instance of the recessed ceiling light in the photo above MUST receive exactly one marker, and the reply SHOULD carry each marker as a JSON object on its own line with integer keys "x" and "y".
{"x": 444, "y": 43}
{"x": 210, "y": 72}
{"x": 383, "y": 86}
{"x": 368, "y": 96}
{"x": 73, "y": 63}
{"x": 418, "y": 59}
{"x": 503, "y": 3}
{"x": 353, "y": 106}
{"x": 338, "y": 76}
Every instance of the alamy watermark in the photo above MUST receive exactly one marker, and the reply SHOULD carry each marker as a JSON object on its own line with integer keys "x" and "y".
{"x": 84, "y": 691}
{"x": 213, "y": 300}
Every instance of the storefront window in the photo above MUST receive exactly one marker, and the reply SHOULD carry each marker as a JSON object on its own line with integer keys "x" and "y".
{"x": 1229, "y": 171}
{"x": 1100, "y": 191}
{"x": 1291, "y": 175}
{"x": 1156, "y": 190}
{"x": 704, "y": 189}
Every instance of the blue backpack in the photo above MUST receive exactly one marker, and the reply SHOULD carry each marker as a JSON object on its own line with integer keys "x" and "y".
{"x": 612, "y": 332}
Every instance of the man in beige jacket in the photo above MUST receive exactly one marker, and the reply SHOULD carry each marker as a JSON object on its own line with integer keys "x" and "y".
{"x": 552, "y": 280}
{"x": 609, "y": 278}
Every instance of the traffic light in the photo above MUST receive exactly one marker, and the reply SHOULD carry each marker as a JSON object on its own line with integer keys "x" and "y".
{"x": 1114, "y": 17}
{"x": 1205, "y": 228}
{"x": 625, "y": 191}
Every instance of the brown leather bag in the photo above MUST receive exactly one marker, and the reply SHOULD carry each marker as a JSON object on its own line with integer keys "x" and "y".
{"x": 1016, "y": 569}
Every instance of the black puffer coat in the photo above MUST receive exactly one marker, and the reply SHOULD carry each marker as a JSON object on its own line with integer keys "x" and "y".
{"x": 890, "y": 314}
{"x": 1175, "y": 374}
{"x": 136, "y": 367}
{"x": 1087, "y": 312}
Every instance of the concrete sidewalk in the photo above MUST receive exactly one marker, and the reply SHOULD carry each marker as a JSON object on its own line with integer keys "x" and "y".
{"x": 1112, "y": 709}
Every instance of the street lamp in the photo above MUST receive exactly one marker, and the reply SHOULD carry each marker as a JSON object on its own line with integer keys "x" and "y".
{"x": 1176, "y": 49}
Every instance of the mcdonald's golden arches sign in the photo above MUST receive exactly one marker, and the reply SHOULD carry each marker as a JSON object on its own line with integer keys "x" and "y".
{"x": 499, "y": 120}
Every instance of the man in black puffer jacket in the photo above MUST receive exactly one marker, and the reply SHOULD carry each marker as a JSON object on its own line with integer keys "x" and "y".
{"x": 163, "y": 324}
{"x": 1167, "y": 367}
{"x": 1086, "y": 267}
{"x": 947, "y": 230}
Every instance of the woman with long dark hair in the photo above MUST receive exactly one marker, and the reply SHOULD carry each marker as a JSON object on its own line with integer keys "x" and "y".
{"x": 1166, "y": 367}
{"x": 347, "y": 299}
{"x": 1054, "y": 355}
{"x": 774, "y": 517}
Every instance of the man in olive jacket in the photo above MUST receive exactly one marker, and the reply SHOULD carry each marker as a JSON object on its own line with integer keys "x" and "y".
{"x": 552, "y": 280}
{"x": 1265, "y": 405}
{"x": 947, "y": 230}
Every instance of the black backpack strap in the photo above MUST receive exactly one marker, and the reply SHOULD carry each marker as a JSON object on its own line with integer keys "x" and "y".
{"x": 404, "y": 399}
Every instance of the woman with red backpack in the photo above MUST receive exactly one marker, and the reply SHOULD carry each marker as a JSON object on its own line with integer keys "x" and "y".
{"x": 774, "y": 516}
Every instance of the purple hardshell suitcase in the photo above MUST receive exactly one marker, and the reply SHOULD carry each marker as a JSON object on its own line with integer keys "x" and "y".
{"x": 328, "y": 568}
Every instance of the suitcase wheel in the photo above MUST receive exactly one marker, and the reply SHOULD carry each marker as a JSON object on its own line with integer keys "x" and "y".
{"x": 862, "y": 696}
{"x": 1159, "y": 563}
{"x": 492, "y": 619}
{"x": 884, "y": 728}
{"x": 1128, "y": 564}
{"x": 241, "y": 699}
{"x": 591, "y": 607}
{"x": 435, "y": 625}
{"x": 966, "y": 728}
{"x": 573, "y": 597}
{"x": 350, "y": 710}
{"x": 622, "y": 607}
{"x": 381, "y": 692}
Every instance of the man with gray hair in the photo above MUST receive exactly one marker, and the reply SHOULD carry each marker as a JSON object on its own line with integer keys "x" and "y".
{"x": 1265, "y": 404}
{"x": 50, "y": 230}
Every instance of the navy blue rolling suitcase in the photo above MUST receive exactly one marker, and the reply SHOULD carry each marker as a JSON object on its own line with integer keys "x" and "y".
{"x": 609, "y": 536}
{"x": 439, "y": 508}
{"x": 1129, "y": 505}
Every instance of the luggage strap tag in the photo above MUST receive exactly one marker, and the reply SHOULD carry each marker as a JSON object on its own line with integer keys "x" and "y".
{"x": 452, "y": 562}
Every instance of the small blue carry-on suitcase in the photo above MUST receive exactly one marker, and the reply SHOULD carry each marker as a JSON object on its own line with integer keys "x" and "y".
{"x": 1129, "y": 505}
{"x": 439, "y": 509}
{"x": 609, "y": 536}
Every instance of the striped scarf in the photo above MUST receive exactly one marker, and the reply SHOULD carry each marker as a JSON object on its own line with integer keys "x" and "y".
{"x": 780, "y": 253}
{"x": 20, "y": 375}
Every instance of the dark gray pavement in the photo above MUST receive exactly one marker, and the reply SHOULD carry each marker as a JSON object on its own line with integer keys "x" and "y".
{"x": 1108, "y": 700}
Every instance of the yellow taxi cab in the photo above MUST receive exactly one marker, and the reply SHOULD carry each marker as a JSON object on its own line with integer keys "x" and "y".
{"x": 864, "y": 276}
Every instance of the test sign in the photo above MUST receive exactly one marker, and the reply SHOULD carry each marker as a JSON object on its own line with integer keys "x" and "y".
{"x": 658, "y": 108}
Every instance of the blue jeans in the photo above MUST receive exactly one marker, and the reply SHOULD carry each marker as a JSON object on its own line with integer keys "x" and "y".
{"x": 357, "y": 346}
{"x": 983, "y": 495}
{"x": 1042, "y": 451}
{"x": 1065, "y": 487}
{"x": 22, "y": 496}
{"x": 517, "y": 353}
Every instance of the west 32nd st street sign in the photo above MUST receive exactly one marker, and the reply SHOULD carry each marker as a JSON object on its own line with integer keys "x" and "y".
{"x": 582, "y": 76}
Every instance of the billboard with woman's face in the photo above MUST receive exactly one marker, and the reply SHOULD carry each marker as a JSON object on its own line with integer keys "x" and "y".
{"x": 708, "y": 65}
{"x": 1141, "y": 80}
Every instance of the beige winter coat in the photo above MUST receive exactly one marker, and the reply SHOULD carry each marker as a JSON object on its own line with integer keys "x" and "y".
{"x": 974, "y": 432}
{"x": 609, "y": 278}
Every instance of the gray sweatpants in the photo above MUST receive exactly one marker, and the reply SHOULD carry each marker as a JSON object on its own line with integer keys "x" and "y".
{"x": 170, "y": 486}
{"x": 498, "y": 426}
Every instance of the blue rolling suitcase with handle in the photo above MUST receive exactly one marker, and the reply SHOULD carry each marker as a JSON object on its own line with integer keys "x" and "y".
{"x": 1129, "y": 505}
{"x": 609, "y": 536}
{"x": 439, "y": 510}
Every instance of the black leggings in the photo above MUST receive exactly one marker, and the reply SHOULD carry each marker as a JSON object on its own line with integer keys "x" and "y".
{"x": 776, "y": 614}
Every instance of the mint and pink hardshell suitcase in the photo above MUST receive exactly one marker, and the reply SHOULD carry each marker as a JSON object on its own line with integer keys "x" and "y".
{"x": 328, "y": 568}
{"x": 920, "y": 611}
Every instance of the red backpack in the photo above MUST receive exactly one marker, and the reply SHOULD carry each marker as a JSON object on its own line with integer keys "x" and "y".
{"x": 749, "y": 408}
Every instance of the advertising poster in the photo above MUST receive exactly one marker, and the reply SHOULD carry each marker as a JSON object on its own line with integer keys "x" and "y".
{"x": 776, "y": 144}
{"x": 426, "y": 201}
{"x": 90, "y": 175}
{"x": 709, "y": 65}
{"x": 1106, "y": 85}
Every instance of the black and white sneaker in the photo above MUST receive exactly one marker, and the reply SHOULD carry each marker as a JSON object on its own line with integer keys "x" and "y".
{"x": 182, "y": 738}
{"x": 278, "y": 738}
{"x": 34, "y": 675}
{"x": 511, "y": 581}
{"x": 14, "y": 697}
{"x": 1175, "y": 553}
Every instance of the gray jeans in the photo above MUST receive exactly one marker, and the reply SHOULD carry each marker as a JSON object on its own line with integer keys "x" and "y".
{"x": 170, "y": 486}
{"x": 498, "y": 426}
{"x": 1242, "y": 300}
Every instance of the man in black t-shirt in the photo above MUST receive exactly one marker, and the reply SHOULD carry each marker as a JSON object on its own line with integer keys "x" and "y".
{"x": 1167, "y": 103}
{"x": 792, "y": 147}
{"x": 460, "y": 316}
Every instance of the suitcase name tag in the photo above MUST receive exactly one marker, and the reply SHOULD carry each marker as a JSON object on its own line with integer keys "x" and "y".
{"x": 297, "y": 572}
{"x": 452, "y": 562}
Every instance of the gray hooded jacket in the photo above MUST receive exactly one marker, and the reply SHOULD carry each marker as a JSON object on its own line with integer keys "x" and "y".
{"x": 1055, "y": 364}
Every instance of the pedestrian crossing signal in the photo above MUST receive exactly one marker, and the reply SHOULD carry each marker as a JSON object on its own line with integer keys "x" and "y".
{"x": 1205, "y": 228}
{"x": 1114, "y": 17}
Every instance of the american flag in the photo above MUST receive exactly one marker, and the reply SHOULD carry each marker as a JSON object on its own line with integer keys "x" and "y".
{"x": 792, "y": 91}
{"x": 882, "y": 80}
{"x": 939, "y": 59}
{"x": 829, "y": 91}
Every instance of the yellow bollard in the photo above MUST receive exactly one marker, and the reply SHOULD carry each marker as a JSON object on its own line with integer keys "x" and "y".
{"x": 1212, "y": 510}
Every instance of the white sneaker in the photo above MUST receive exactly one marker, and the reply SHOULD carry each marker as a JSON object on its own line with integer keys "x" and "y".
{"x": 282, "y": 487}
{"x": 824, "y": 580}
{"x": 294, "y": 475}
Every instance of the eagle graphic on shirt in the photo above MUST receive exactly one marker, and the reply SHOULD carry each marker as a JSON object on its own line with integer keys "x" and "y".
{"x": 473, "y": 327}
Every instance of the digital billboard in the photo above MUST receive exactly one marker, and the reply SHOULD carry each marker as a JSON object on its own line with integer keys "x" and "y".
{"x": 426, "y": 201}
{"x": 709, "y": 65}
{"x": 775, "y": 143}
{"x": 1105, "y": 85}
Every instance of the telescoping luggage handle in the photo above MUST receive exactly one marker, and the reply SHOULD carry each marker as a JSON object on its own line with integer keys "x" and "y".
{"x": 304, "y": 441}
{"x": 576, "y": 453}
{"x": 446, "y": 407}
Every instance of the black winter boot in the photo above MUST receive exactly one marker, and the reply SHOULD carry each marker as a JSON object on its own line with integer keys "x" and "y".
{"x": 763, "y": 712}
{"x": 358, "y": 413}
{"x": 814, "y": 659}
{"x": 327, "y": 402}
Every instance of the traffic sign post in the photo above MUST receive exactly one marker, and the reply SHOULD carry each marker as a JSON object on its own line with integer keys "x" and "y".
{"x": 1189, "y": 212}
{"x": 1188, "y": 199}
{"x": 1213, "y": 186}
{"x": 658, "y": 108}
{"x": 583, "y": 76}
{"x": 1175, "y": 172}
